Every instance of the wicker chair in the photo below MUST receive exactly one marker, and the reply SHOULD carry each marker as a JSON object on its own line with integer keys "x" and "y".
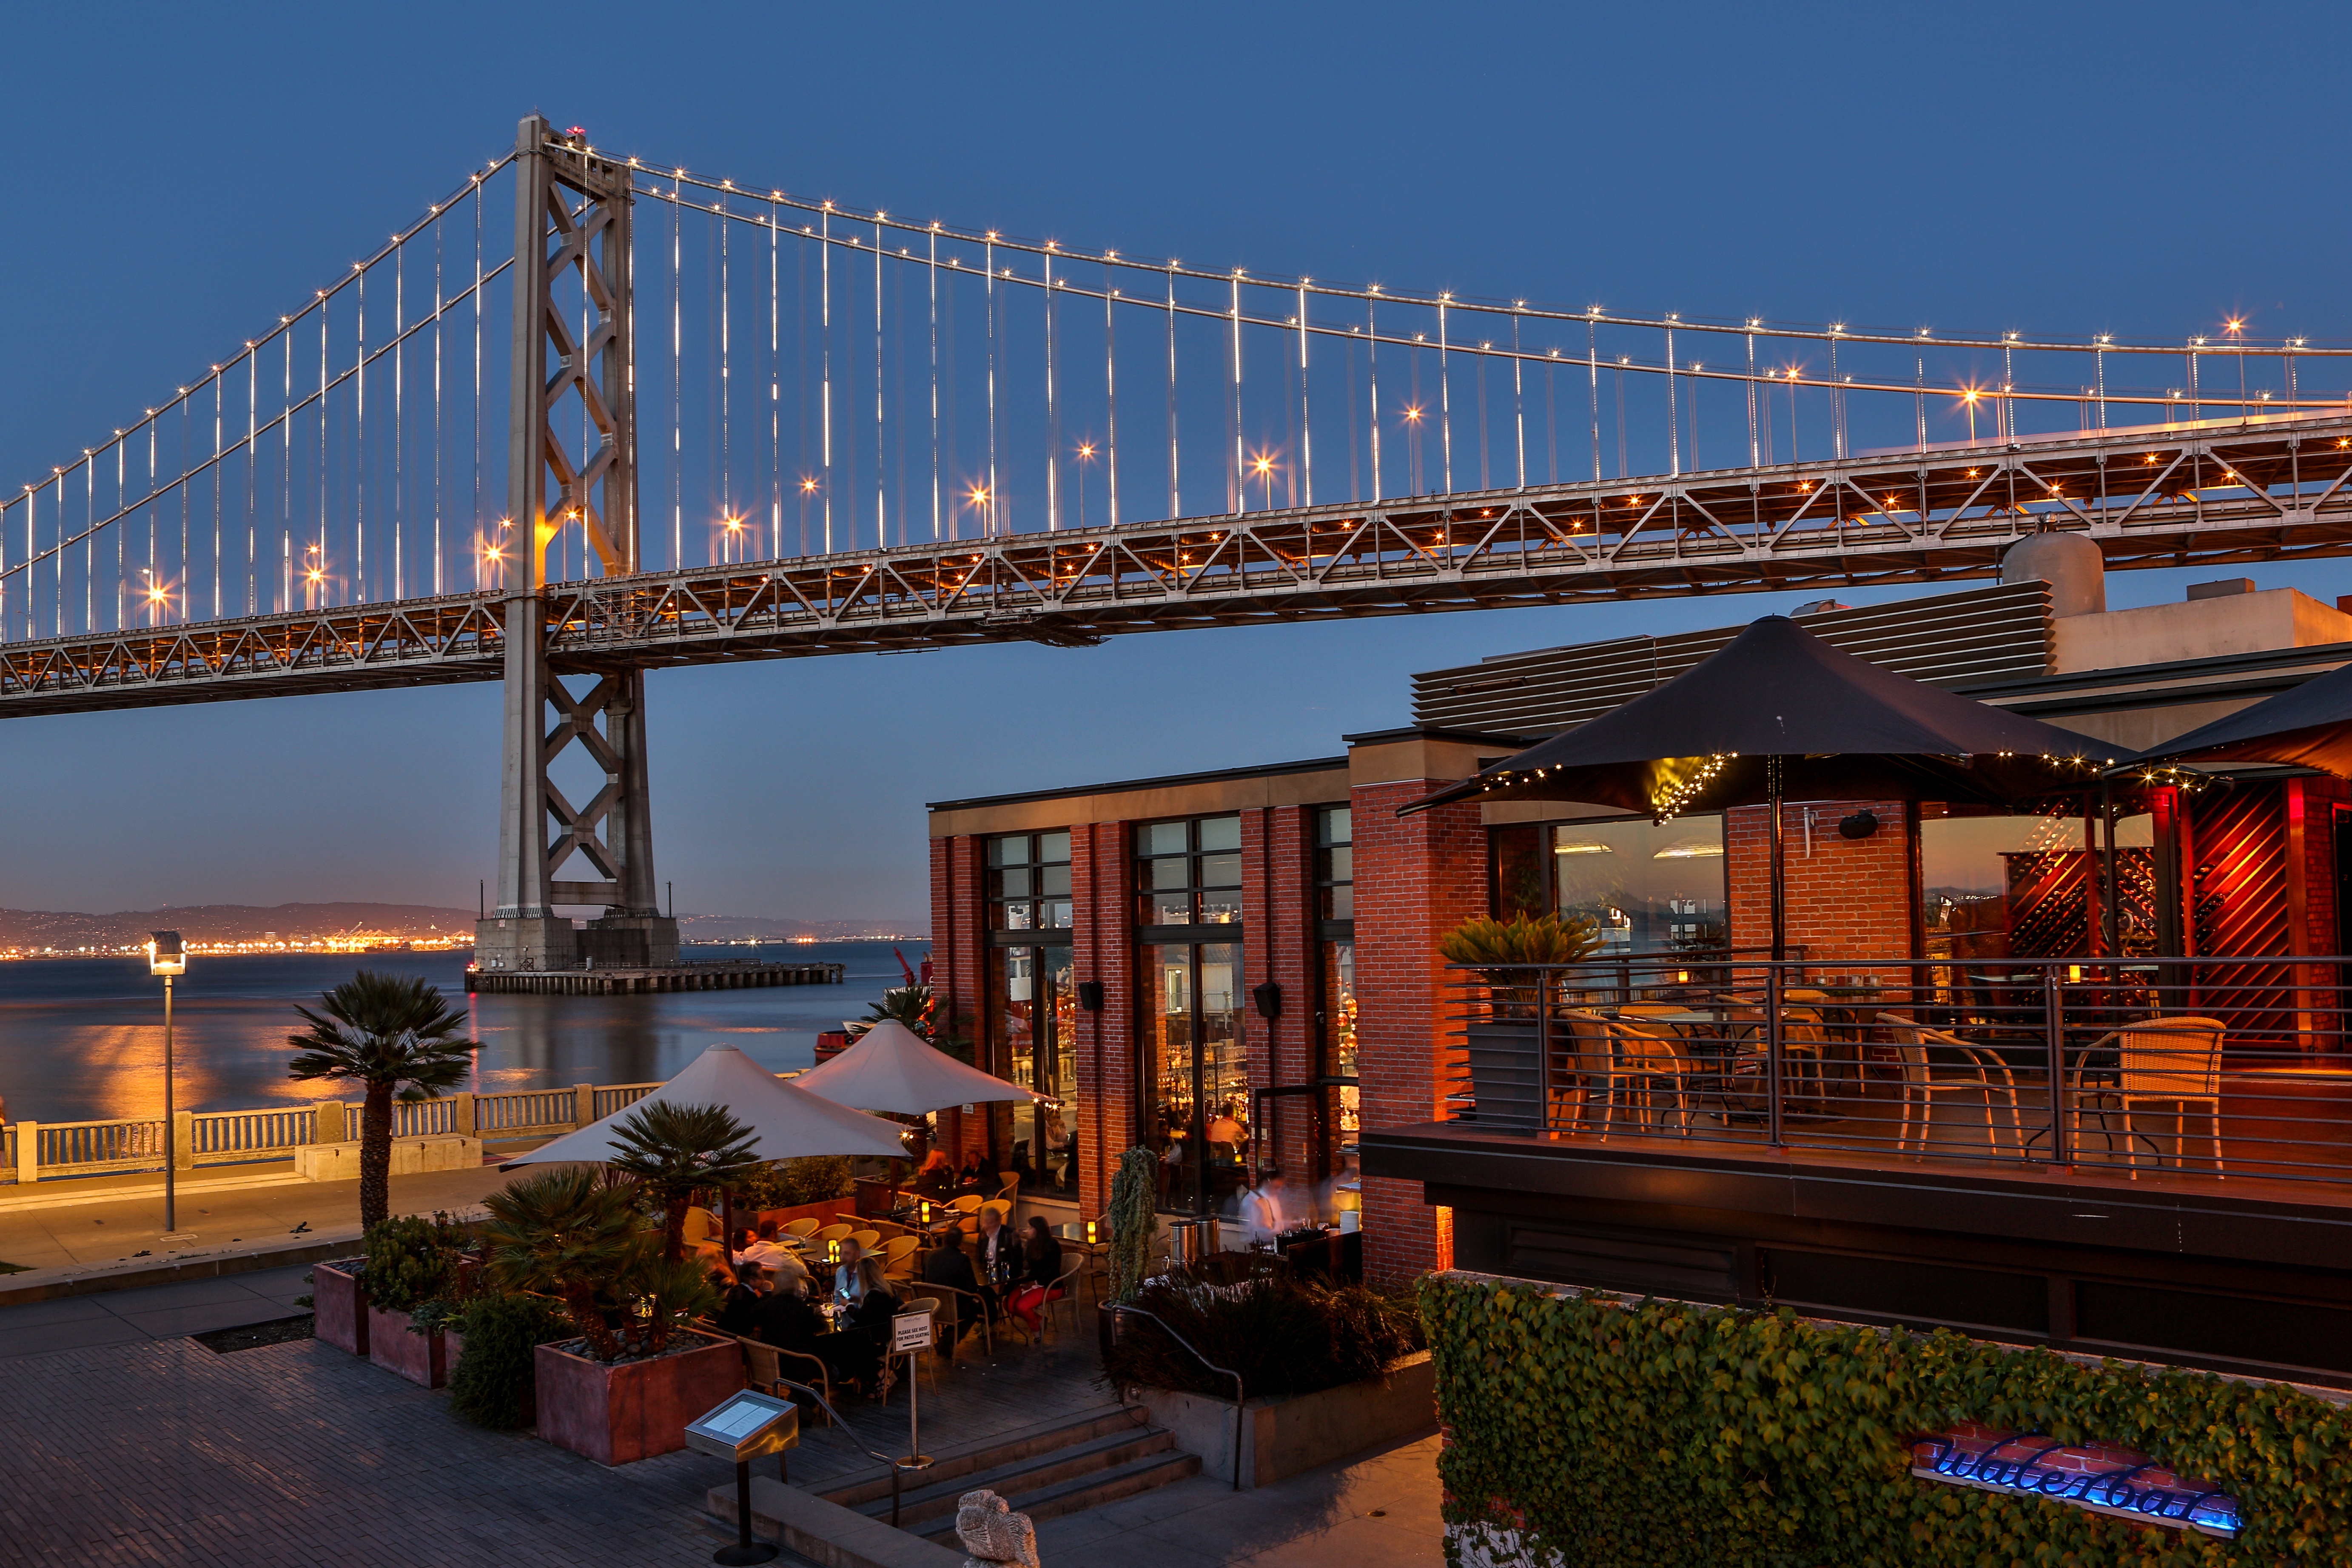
{"x": 1066, "y": 1282}
{"x": 899, "y": 1256}
{"x": 2171, "y": 1061}
{"x": 831, "y": 1232}
{"x": 765, "y": 1367}
{"x": 799, "y": 1230}
{"x": 1922, "y": 1081}
{"x": 1640, "y": 1065}
{"x": 957, "y": 1308}
{"x": 916, "y": 1303}
{"x": 867, "y": 1240}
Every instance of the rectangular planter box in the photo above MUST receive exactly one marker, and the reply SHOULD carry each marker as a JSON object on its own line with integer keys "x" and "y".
{"x": 341, "y": 1306}
{"x": 423, "y": 1359}
{"x": 633, "y": 1410}
{"x": 1282, "y": 1437}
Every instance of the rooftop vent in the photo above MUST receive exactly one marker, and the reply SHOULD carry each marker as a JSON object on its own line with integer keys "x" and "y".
{"x": 2223, "y": 589}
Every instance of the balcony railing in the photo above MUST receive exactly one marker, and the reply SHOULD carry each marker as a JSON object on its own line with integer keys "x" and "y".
{"x": 48, "y": 1151}
{"x": 2208, "y": 1069}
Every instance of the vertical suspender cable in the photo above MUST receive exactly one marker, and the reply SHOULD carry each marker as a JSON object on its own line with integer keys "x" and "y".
{"x": 359, "y": 459}
{"x": 1175, "y": 490}
{"x": 1306, "y": 425}
{"x": 987, "y": 508}
{"x": 1110, "y": 388}
{"x": 824, "y": 370}
{"x": 1592, "y": 363}
{"x": 1752, "y": 452}
{"x": 219, "y": 518}
{"x": 2099, "y": 375}
{"x": 1519, "y": 398}
{"x": 932, "y": 272}
{"x": 676, "y": 378}
{"x": 881, "y": 456}
{"x": 1372, "y": 375}
{"x": 399, "y": 409}
{"x": 478, "y": 385}
{"x": 775, "y": 543}
{"x": 1674, "y": 415}
{"x": 1919, "y": 396}
{"x": 1444, "y": 398}
{"x": 1236, "y": 480}
{"x": 1053, "y": 411}
{"x": 727, "y": 518}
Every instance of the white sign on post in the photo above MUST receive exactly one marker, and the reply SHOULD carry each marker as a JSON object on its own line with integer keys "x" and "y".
{"x": 910, "y": 1331}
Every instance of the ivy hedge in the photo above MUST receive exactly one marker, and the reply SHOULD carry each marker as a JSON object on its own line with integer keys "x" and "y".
{"x": 1665, "y": 1435}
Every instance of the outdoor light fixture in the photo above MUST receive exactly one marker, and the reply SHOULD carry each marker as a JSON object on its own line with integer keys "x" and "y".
{"x": 1861, "y": 824}
{"x": 167, "y": 957}
{"x": 1268, "y": 998}
{"x": 1090, "y": 995}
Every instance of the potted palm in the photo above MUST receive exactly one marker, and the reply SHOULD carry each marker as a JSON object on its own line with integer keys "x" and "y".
{"x": 676, "y": 1151}
{"x": 395, "y": 1036}
{"x": 632, "y": 1375}
{"x": 1504, "y": 1039}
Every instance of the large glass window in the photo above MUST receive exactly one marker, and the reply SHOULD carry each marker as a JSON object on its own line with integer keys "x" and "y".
{"x": 1028, "y": 876}
{"x": 1034, "y": 999}
{"x": 2001, "y": 886}
{"x": 1650, "y": 889}
{"x": 1335, "y": 863}
{"x": 1188, "y": 873}
{"x": 1196, "y": 1073}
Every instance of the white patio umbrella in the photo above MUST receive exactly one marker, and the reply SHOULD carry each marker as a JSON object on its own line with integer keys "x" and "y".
{"x": 786, "y": 1120}
{"x": 891, "y": 1069}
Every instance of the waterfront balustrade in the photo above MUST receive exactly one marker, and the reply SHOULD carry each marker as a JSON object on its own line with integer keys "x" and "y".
{"x": 53, "y": 1151}
{"x": 2189, "y": 1070}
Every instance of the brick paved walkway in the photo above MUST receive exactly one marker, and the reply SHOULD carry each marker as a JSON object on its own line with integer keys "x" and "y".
{"x": 296, "y": 1455}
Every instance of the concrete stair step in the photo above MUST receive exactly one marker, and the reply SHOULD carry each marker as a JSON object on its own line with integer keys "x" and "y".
{"x": 1030, "y": 1474}
{"x": 1092, "y": 1491}
{"x": 972, "y": 1457}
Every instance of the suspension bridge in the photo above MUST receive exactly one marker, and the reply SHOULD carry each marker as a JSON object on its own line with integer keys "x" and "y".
{"x": 590, "y": 416}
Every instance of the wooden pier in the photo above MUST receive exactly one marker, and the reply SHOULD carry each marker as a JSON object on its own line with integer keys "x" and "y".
{"x": 724, "y": 976}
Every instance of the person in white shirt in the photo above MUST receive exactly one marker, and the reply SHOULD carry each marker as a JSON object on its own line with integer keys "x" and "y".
{"x": 1263, "y": 1215}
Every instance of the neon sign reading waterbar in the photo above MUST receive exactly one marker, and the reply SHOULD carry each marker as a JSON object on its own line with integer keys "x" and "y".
{"x": 2101, "y": 1479}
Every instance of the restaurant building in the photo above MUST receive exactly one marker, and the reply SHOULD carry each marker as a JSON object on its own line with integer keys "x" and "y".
{"x": 1238, "y": 970}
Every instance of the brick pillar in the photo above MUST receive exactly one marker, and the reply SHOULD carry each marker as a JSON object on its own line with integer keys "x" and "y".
{"x": 1850, "y": 900}
{"x": 959, "y": 921}
{"x": 1276, "y": 907}
{"x": 1104, "y": 1108}
{"x": 1416, "y": 878}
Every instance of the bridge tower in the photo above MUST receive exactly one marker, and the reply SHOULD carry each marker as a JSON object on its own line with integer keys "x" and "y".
{"x": 572, "y": 360}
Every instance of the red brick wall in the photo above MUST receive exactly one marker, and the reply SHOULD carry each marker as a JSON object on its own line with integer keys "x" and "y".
{"x": 1849, "y": 902}
{"x": 1276, "y": 895}
{"x": 1101, "y": 886}
{"x": 959, "y": 926}
{"x": 1416, "y": 878}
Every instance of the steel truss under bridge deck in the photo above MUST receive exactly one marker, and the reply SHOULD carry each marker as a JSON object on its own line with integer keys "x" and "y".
{"x": 2213, "y": 494}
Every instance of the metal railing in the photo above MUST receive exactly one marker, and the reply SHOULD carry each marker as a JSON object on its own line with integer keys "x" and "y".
{"x": 1241, "y": 1395}
{"x": 43, "y": 1152}
{"x": 2180, "y": 1069}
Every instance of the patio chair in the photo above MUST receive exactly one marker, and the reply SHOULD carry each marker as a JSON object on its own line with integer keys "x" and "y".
{"x": 765, "y": 1367}
{"x": 1650, "y": 1009}
{"x": 899, "y": 1256}
{"x": 1066, "y": 1282}
{"x": 867, "y": 1240}
{"x": 968, "y": 1203}
{"x": 2174, "y": 1061}
{"x": 1804, "y": 1051}
{"x": 1581, "y": 1069}
{"x": 1922, "y": 1081}
{"x": 700, "y": 1225}
{"x": 799, "y": 1230}
{"x": 1008, "y": 1186}
{"x": 957, "y": 1308}
{"x": 1641, "y": 1064}
{"x": 823, "y": 1234}
{"x": 1004, "y": 1209}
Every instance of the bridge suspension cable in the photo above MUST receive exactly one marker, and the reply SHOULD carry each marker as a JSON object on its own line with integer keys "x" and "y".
{"x": 835, "y": 414}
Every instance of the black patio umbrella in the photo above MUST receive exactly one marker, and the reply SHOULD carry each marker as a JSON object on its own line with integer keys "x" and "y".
{"x": 2309, "y": 727}
{"x": 1780, "y": 714}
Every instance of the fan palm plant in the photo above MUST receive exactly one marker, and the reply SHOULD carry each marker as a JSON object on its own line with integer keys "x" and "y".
{"x": 395, "y": 1035}
{"x": 676, "y": 1150}
{"x": 568, "y": 1233}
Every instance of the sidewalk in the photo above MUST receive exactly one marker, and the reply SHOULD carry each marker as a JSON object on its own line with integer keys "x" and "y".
{"x": 76, "y": 1245}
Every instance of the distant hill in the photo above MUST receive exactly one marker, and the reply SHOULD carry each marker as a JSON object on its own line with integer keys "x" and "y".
{"x": 67, "y": 930}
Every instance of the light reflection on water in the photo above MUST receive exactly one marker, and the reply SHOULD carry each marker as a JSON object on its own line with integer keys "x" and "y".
{"x": 82, "y": 1039}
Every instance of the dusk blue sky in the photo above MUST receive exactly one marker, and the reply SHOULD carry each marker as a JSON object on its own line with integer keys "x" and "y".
{"x": 177, "y": 176}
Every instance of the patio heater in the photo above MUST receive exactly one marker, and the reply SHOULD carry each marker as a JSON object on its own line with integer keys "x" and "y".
{"x": 167, "y": 957}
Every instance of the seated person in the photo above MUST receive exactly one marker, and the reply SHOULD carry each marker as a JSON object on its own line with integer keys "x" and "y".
{"x": 1041, "y": 1266}
{"x": 763, "y": 1249}
{"x": 949, "y": 1264}
{"x": 973, "y": 1176}
{"x": 856, "y": 1350}
{"x": 936, "y": 1178}
{"x": 739, "y": 1312}
{"x": 857, "y": 1275}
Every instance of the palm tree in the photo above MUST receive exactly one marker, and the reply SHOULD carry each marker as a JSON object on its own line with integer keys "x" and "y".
{"x": 566, "y": 1232}
{"x": 674, "y": 1150}
{"x": 394, "y": 1035}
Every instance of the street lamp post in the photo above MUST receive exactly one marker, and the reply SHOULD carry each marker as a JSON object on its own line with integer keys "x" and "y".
{"x": 168, "y": 958}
